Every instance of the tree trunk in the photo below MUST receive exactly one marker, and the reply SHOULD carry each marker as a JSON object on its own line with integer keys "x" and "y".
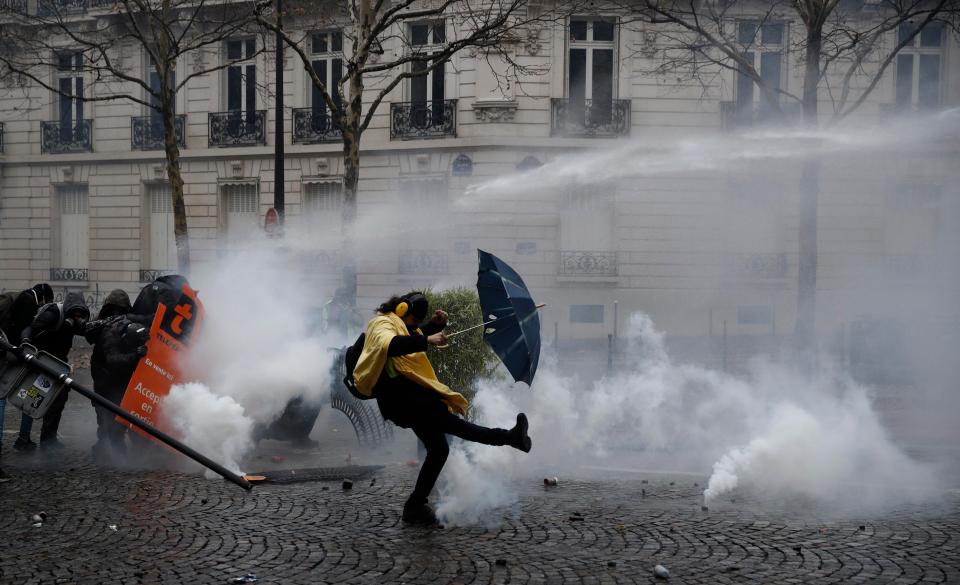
{"x": 350, "y": 126}
{"x": 805, "y": 328}
{"x": 172, "y": 150}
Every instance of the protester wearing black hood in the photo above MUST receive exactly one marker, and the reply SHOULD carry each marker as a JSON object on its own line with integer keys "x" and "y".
{"x": 118, "y": 345}
{"x": 22, "y": 312}
{"x": 52, "y": 331}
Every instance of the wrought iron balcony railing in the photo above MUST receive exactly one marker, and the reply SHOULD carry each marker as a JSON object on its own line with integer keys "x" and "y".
{"x": 314, "y": 126}
{"x": 146, "y": 132}
{"x": 68, "y": 274}
{"x": 433, "y": 119}
{"x": 590, "y": 118}
{"x": 588, "y": 263}
{"x": 151, "y": 274}
{"x": 59, "y": 138}
{"x": 756, "y": 265}
{"x": 61, "y": 7}
{"x": 11, "y": 7}
{"x": 423, "y": 262}
{"x": 238, "y": 128}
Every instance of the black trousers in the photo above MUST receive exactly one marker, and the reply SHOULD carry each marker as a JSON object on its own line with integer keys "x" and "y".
{"x": 421, "y": 410}
{"x": 51, "y": 420}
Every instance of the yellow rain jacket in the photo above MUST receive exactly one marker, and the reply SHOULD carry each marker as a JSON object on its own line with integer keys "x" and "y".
{"x": 415, "y": 366}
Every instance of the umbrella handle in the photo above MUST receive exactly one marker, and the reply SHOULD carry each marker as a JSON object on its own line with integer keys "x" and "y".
{"x": 449, "y": 335}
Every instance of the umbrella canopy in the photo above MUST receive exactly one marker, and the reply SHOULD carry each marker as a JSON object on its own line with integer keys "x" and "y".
{"x": 514, "y": 333}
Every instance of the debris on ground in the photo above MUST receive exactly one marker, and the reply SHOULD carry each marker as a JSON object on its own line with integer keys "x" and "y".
{"x": 412, "y": 463}
{"x": 347, "y": 484}
{"x": 704, "y": 509}
{"x": 576, "y": 517}
{"x": 37, "y": 524}
{"x": 36, "y": 518}
{"x": 611, "y": 564}
{"x": 661, "y": 572}
{"x": 550, "y": 481}
{"x": 248, "y": 578}
{"x": 112, "y": 527}
{"x": 501, "y": 562}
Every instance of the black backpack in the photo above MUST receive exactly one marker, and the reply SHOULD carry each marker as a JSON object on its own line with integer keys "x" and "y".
{"x": 350, "y": 358}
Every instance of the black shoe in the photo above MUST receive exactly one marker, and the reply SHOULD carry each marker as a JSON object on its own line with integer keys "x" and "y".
{"x": 24, "y": 445}
{"x": 422, "y": 515}
{"x": 3, "y": 476}
{"x": 519, "y": 439}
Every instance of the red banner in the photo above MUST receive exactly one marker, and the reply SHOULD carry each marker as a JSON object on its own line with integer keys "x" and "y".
{"x": 170, "y": 336}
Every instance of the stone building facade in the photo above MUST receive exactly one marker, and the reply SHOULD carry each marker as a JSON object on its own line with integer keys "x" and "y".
{"x": 705, "y": 251}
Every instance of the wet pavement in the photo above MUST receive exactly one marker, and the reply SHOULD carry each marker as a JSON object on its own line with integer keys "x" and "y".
{"x": 146, "y": 526}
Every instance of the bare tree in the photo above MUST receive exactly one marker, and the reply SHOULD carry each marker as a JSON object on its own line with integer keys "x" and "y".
{"x": 37, "y": 36}
{"x": 844, "y": 49}
{"x": 381, "y": 51}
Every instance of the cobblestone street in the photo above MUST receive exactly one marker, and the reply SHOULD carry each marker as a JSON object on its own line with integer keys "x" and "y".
{"x": 175, "y": 527}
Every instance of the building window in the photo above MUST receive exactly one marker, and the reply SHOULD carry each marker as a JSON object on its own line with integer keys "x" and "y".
{"x": 919, "y": 63}
{"x": 326, "y": 49}
{"x": 70, "y": 97}
{"x": 763, "y": 46}
{"x": 74, "y": 252}
{"x": 587, "y": 230}
{"x": 162, "y": 246}
{"x": 242, "y": 76}
{"x": 590, "y": 64}
{"x": 324, "y": 198}
{"x": 155, "y": 87}
{"x": 586, "y": 313}
{"x": 427, "y": 38}
{"x": 241, "y": 211}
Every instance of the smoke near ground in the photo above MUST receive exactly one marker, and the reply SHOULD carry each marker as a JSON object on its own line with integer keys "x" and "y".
{"x": 775, "y": 433}
{"x": 258, "y": 348}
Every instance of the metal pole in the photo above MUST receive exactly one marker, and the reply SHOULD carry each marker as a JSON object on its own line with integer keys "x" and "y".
{"x": 278, "y": 199}
{"x": 30, "y": 360}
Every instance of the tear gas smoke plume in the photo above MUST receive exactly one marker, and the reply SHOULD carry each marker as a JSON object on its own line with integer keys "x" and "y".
{"x": 776, "y": 432}
{"x": 257, "y": 349}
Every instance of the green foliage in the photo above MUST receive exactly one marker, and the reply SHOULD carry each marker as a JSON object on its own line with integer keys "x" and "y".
{"x": 468, "y": 358}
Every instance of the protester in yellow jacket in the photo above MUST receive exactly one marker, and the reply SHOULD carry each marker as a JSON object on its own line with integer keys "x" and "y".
{"x": 393, "y": 367}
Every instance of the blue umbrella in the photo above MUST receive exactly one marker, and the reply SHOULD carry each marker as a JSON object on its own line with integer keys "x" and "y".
{"x": 512, "y": 324}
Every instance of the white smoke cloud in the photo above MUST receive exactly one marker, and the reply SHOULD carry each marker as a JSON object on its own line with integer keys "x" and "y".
{"x": 257, "y": 349}
{"x": 777, "y": 432}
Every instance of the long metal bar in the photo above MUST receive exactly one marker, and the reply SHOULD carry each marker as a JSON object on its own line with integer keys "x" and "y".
{"x": 70, "y": 383}
{"x": 449, "y": 335}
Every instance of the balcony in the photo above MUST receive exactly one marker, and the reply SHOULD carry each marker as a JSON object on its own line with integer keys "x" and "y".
{"x": 761, "y": 266}
{"x": 68, "y": 274}
{"x": 237, "y": 128}
{"x": 588, "y": 263}
{"x": 60, "y": 138}
{"x": 589, "y": 118}
{"x": 423, "y": 262}
{"x": 413, "y": 120}
{"x": 314, "y": 126}
{"x": 146, "y": 132}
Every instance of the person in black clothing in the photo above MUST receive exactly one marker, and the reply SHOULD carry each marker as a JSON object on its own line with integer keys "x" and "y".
{"x": 425, "y": 410}
{"x": 24, "y": 310}
{"x": 52, "y": 331}
{"x": 118, "y": 344}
